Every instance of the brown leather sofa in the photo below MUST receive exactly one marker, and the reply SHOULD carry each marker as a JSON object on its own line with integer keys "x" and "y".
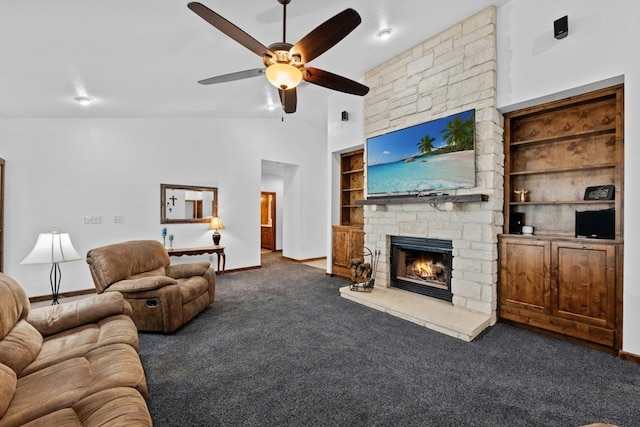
{"x": 163, "y": 296}
{"x": 73, "y": 364}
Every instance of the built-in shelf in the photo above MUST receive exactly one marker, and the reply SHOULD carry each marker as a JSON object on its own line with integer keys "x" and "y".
{"x": 553, "y": 280}
{"x": 573, "y": 135}
{"x": 348, "y": 237}
{"x": 396, "y": 200}
{"x": 361, "y": 170}
{"x": 563, "y": 170}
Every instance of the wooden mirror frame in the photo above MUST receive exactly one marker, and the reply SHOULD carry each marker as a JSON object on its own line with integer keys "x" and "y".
{"x": 164, "y": 201}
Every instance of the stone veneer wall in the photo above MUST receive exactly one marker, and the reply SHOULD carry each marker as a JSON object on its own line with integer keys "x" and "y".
{"x": 449, "y": 73}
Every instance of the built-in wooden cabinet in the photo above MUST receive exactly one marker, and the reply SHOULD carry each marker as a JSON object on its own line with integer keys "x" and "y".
{"x": 553, "y": 280}
{"x": 348, "y": 237}
{"x": 568, "y": 287}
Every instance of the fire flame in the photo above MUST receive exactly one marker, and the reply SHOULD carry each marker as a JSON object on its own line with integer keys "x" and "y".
{"x": 423, "y": 269}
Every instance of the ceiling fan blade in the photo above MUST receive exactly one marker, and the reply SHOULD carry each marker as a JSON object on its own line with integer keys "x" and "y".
{"x": 333, "y": 81}
{"x": 289, "y": 100}
{"x": 326, "y": 35}
{"x": 229, "y": 29}
{"x": 238, "y": 75}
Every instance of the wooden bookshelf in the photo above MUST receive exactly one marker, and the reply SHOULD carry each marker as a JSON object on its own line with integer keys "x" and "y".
{"x": 552, "y": 280}
{"x": 348, "y": 237}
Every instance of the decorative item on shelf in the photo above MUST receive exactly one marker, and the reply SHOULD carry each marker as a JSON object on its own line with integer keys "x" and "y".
{"x": 170, "y": 241}
{"x": 164, "y": 236}
{"x": 516, "y": 221}
{"x": 601, "y": 192}
{"x": 52, "y": 248}
{"x": 215, "y": 225}
{"x": 522, "y": 195}
{"x": 527, "y": 229}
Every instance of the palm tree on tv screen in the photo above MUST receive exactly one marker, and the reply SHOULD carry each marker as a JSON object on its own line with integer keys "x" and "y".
{"x": 426, "y": 144}
{"x": 459, "y": 133}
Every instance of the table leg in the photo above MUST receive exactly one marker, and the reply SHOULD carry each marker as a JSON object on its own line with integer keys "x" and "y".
{"x": 224, "y": 262}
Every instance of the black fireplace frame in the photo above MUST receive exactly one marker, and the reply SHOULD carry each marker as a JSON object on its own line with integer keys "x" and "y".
{"x": 421, "y": 244}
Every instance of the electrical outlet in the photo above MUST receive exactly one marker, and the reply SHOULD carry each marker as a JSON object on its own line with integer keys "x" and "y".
{"x": 118, "y": 219}
{"x": 88, "y": 219}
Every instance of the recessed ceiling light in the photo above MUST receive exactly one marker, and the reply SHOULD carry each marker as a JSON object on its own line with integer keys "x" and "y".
{"x": 384, "y": 34}
{"x": 83, "y": 100}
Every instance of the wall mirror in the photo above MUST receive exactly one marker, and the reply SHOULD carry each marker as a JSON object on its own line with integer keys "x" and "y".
{"x": 187, "y": 203}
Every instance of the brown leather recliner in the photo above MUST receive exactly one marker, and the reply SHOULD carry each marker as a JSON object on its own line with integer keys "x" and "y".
{"x": 73, "y": 364}
{"x": 163, "y": 296}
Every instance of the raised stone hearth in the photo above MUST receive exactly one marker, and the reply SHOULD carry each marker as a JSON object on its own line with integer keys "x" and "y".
{"x": 425, "y": 311}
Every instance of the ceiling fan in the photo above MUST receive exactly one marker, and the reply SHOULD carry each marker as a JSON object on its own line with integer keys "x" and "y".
{"x": 286, "y": 63}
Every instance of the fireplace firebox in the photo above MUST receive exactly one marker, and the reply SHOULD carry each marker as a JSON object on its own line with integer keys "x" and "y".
{"x": 422, "y": 265}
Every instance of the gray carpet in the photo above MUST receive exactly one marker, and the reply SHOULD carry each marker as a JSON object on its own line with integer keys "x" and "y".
{"x": 280, "y": 347}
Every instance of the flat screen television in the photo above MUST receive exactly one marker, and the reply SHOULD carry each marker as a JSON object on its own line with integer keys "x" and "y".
{"x": 432, "y": 156}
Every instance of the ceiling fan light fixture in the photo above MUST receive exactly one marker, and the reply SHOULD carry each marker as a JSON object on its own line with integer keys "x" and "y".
{"x": 284, "y": 76}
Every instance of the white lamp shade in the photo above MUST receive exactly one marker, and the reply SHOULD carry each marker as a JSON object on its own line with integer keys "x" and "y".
{"x": 216, "y": 223}
{"x": 51, "y": 248}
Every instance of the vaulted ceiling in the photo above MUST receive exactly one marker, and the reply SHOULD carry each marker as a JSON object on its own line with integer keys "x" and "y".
{"x": 143, "y": 58}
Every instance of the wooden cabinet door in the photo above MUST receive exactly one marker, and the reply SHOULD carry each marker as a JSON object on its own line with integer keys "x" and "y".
{"x": 341, "y": 252}
{"x": 348, "y": 243}
{"x": 584, "y": 283}
{"x": 525, "y": 277}
{"x": 356, "y": 243}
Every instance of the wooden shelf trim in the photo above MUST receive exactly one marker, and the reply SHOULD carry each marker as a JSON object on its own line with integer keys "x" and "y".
{"x": 353, "y": 171}
{"x": 396, "y": 200}
{"x": 554, "y": 139}
{"x": 558, "y": 237}
{"x": 561, "y": 170}
{"x": 570, "y": 202}
{"x": 353, "y": 189}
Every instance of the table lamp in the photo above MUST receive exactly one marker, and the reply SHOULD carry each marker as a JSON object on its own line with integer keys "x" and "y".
{"x": 52, "y": 248}
{"x": 216, "y": 224}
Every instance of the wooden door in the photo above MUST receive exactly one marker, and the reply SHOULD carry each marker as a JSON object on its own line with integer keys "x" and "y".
{"x": 268, "y": 220}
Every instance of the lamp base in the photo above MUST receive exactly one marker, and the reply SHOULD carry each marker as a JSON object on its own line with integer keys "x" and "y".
{"x": 216, "y": 238}
{"x": 55, "y": 276}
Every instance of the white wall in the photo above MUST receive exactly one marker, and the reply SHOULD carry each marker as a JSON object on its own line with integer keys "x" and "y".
{"x": 58, "y": 170}
{"x": 600, "y": 46}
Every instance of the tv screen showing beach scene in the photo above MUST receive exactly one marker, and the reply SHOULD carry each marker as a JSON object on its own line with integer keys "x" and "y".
{"x": 433, "y": 156}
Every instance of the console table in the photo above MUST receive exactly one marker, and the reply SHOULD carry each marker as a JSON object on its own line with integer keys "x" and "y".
{"x": 219, "y": 250}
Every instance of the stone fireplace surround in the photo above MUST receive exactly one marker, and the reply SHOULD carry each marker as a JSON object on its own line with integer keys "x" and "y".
{"x": 451, "y": 72}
